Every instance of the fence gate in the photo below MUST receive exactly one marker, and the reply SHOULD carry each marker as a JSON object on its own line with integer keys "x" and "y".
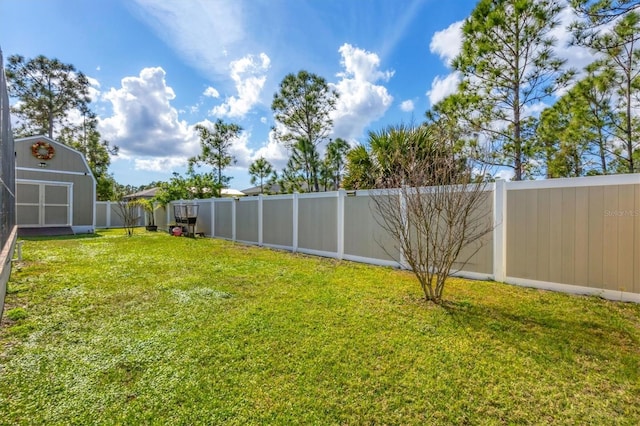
{"x": 42, "y": 204}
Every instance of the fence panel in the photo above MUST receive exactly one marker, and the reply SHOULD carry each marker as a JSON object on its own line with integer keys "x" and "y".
{"x": 477, "y": 258}
{"x": 318, "y": 224}
{"x": 109, "y": 215}
{"x": 224, "y": 218}
{"x": 587, "y": 236}
{"x": 8, "y": 229}
{"x": 101, "y": 214}
{"x": 203, "y": 222}
{"x": 247, "y": 220}
{"x": 277, "y": 221}
{"x": 160, "y": 215}
{"x": 363, "y": 236}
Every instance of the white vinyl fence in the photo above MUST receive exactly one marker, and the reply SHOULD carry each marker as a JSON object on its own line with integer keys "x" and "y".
{"x": 108, "y": 215}
{"x": 579, "y": 235}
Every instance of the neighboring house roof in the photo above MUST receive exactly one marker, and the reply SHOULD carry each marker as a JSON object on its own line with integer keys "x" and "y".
{"x": 147, "y": 193}
{"x": 268, "y": 189}
{"x": 274, "y": 188}
{"x": 228, "y": 192}
{"x": 151, "y": 192}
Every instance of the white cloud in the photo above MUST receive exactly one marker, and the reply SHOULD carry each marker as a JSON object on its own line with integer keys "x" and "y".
{"x": 448, "y": 42}
{"x": 241, "y": 151}
{"x": 249, "y": 76}
{"x": 273, "y": 151}
{"x": 211, "y": 92}
{"x": 94, "y": 89}
{"x": 202, "y": 32}
{"x": 407, "y": 106}
{"x": 506, "y": 174}
{"x": 534, "y": 109}
{"x": 443, "y": 87}
{"x": 361, "y": 101}
{"x": 159, "y": 164}
{"x": 143, "y": 121}
{"x": 361, "y": 65}
{"x": 577, "y": 57}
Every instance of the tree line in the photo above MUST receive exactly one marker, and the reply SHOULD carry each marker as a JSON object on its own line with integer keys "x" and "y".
{"x": 508, "y": 67}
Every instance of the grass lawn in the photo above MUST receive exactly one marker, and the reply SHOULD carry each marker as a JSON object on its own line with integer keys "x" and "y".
{"x": 155, "y": 329}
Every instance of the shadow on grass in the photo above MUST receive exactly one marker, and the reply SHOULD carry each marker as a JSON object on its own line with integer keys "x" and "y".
{"x": 544, "y": 329}
{"x": 62, "y": 237}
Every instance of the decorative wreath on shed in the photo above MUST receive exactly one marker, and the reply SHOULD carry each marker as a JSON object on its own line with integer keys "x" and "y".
{"x": 43, "y": 150}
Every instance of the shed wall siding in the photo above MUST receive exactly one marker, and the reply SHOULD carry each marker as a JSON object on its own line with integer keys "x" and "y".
{"x": 67, "y": 166}
{"x": 83, "y": 192}
{"x": 64, "y": 159}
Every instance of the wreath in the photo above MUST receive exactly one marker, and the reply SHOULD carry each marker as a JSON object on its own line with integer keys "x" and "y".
{"x": 43, "y": 150}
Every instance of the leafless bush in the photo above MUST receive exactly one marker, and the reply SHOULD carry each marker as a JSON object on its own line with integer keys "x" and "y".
{"x": 439, "y": 211}
{"x": 130, "y": 214}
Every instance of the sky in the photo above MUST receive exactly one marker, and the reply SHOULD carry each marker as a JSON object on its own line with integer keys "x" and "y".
{"x": 160, "y": 67}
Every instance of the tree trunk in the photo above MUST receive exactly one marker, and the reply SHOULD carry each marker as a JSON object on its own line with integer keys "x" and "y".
{"x": 603, "y": 158}
{"x": 628, "y": 129}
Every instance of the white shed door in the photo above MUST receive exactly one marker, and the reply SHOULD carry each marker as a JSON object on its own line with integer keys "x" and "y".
{"x": 43, "y": 204}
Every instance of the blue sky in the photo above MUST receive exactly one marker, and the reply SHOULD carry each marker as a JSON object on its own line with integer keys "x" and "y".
{"x": 159, "y": 67}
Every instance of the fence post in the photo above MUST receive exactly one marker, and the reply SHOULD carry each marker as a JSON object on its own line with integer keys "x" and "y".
{"x": 405, "y": 219}
{"x": 167, "y": 214}
{"x": 108, "y": 215}
{"x": 295, "y": 222}
{"x": 212, "y": 202}
{"x": 260, "y": 219}
{"x": 499, "y": 230}
{"x": 340, "y": 223}
{"x": 233, "y": 218}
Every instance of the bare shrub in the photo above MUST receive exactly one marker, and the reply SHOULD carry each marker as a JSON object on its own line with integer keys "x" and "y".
{"x": 130, "y": 214}
{"x": 439, "y": 211}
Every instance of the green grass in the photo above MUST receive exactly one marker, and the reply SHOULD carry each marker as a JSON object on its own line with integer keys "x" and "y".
{"x": 155, "y": 329}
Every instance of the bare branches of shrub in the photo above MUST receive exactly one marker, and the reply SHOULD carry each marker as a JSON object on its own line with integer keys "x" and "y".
{"x": 439, "y": 213}
{"x": 130, "y": 214}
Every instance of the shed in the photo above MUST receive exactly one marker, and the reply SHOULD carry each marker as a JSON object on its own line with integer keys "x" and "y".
{"x": 55, "y": 189}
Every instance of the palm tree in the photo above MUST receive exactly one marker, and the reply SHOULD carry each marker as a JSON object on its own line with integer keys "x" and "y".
{"x": 403, "y": 155}
{"x": 359, "y": 169}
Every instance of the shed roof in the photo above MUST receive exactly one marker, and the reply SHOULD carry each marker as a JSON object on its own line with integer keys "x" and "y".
{"x": 64, "y": 158}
